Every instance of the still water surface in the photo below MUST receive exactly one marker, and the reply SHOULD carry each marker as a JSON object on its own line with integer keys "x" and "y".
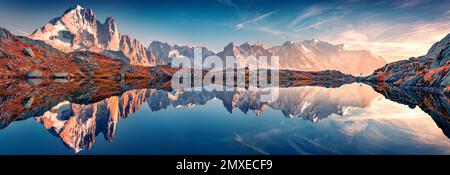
{"x": 351, "y": 119}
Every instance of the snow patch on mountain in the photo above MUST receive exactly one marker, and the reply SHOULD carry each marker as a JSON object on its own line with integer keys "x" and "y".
{"x": 309, "y": 55}
{"x": 78, "y": 29}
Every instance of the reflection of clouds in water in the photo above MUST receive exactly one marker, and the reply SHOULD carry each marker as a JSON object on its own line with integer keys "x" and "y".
{"x": 385, "y": 127}
{"x": 265, "y": 142}
{"x": 306, "y": 146}
{"x": 388, "y": 123}
{"x": 355, "y": 120}
{"x": 352, "y": 128}
{"x": 239, "y": 139}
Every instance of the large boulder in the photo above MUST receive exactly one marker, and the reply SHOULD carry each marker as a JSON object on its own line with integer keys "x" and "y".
{"x": 61, "y": 75}
{"x": 35, "y": 74}
{"x": 61, "y": 80}
{"x": 28, "y": 52}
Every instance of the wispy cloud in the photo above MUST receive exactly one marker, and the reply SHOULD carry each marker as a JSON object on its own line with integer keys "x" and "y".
{"x": 228, "y": 3}
{"x": 239, "y": 26}
{"x": 410, "y": 3}
{"x": 352, "y": 35}
{"x": 317, "y": 24}
{"x": 262, "y": 16}
{"x": 394, "y": 41}
{"x": 310, "y": 12}
{"x": 269, "y": 30}
{"x": 254, "y": 20}
{"x": 394, "y": 35}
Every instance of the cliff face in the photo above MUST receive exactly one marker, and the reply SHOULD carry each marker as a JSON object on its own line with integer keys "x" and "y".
{"x": 77, "y": 125}
{"x": 79, "y": 30}
{"x": 430, "y": 70}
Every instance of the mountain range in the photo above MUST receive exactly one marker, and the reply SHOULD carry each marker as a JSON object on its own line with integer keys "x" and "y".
{"x": 78, "y": 125}
{"x": 89, "y": 45}
{"x": 79, "y": 29}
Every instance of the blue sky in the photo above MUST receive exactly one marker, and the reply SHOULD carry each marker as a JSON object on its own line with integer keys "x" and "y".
{"x": 392, "y": 29}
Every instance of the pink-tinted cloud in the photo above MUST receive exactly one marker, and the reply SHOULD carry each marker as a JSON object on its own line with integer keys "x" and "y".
{"x": 254, "y": 20}
{"x": 313, "y": 11}
{"x": 394, "y": 42}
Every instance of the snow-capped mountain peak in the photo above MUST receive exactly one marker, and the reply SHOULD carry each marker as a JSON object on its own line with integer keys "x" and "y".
{"x": 165, "y": 52}
{"x": 76, "y": 7}
{"x": 79, "y": 29}
{"x": 287, "y": 43}
{"x": 260, "y": 44}
{"x": 344, "y": 47}
{"x": 79, "y": 18}
{"x": 310, "y": 55}
{"x": 315, "y": 40}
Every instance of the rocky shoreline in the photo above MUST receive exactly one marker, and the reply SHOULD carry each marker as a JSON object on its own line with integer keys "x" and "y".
{"x": 25, "y": 58}
{"x": 431, "y": 71}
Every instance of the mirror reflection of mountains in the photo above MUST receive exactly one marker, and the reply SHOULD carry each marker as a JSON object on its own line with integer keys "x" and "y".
{"x": 78, "y": 124}
{"x": 78, "y": 115}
